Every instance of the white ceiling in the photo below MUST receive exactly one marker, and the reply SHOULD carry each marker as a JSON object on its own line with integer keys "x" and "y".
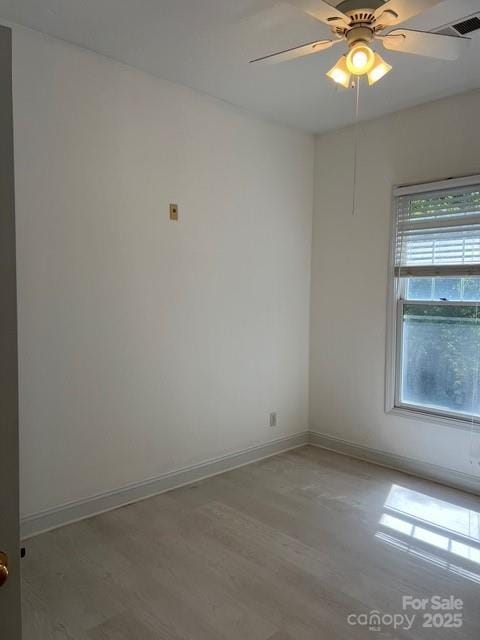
{"x": 206, "y": 44}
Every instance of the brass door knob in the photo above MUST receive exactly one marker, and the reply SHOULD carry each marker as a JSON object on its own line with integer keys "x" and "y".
{"x": 3, "y": 568}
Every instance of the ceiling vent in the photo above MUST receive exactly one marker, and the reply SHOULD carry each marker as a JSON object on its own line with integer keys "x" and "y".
{"x": 467, "y": 26}
{"x": 463, "y": 27}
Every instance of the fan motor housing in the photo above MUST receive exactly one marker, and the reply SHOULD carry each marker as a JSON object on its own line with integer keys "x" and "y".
{"x": 361, "y": 16}
{"x": 359, "y": 34}
{"x": 360, "y": 6}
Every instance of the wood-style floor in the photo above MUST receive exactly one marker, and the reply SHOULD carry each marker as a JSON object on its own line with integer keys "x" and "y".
{"x": 284, "y": 549}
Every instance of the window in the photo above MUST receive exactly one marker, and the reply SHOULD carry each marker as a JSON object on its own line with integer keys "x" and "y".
{"x": 435, "y": 321}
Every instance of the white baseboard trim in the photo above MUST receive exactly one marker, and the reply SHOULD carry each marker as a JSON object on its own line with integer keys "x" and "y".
{"x": 44, "y": 521}
{"x": 41, "y": 522}
{"x": 426, "y": 470}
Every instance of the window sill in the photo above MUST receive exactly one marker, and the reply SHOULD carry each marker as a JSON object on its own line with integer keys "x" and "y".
{"x": 440, "y": 420}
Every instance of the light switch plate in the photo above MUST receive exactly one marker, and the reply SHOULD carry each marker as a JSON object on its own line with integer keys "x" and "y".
{"x": 174, "y": 212}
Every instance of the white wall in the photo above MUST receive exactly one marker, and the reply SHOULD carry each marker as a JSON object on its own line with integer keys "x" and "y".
{"x": 147, "y": 345}
{"x": 350, "y": 272}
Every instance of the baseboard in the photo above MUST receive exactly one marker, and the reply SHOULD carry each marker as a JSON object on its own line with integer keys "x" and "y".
{"x": 58, "y": 517}
{"x": 80, "y": 510}
{"x": 426, "y": 470}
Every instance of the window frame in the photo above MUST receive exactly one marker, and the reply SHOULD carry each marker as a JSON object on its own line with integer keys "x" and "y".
{"x": 394, "y": 334}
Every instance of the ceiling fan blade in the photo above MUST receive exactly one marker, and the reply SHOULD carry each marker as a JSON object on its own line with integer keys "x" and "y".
{"x": 297, "y": 52}
{"x": 322, "y": 11}
{"x": 424, "y": 43}
{"x": 386, "y": 19}
{"x": 404, "y": 9}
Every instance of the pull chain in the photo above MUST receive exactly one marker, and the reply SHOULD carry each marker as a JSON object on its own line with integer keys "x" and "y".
{"x": 355, "y": 152}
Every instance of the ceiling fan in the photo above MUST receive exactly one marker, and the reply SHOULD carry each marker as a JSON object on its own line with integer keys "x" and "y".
{"x": 359, "y": 23}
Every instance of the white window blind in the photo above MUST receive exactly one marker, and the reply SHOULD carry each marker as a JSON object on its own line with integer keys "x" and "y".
{"x": 438, "y": 231}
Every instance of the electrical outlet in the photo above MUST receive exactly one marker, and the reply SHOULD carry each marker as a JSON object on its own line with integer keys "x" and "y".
{"x": 273, "y": 419}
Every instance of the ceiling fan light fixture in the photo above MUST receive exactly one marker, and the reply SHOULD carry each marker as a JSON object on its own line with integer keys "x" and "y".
{"x": 360, "y": 25}
{"x": 360, "y": 59}
{"x": 379, "y": 70}
{"x": 340, "y": 73}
